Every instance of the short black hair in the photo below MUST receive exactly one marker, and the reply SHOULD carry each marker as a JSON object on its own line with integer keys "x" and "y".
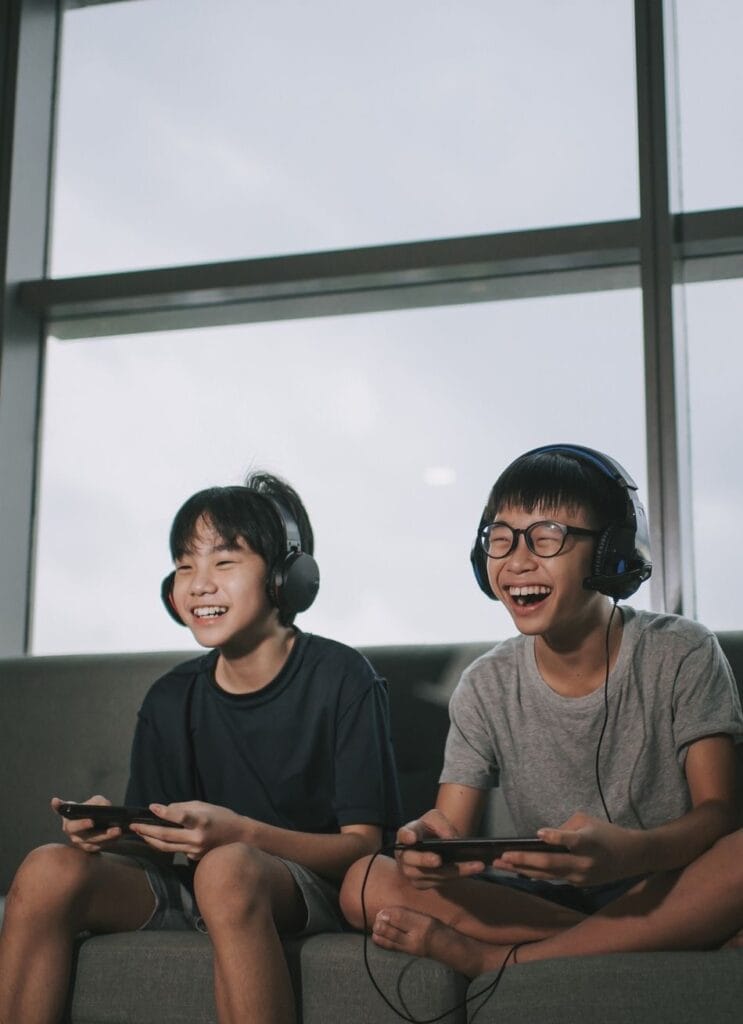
{"x": 247, "y": 512}
{"x": 547, "y": 480}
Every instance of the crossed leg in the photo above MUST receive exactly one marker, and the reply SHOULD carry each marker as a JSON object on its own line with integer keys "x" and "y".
{"x": 699, "y": 907}
{"x": 468, "y": 924}
{"x": 58, "y": 892}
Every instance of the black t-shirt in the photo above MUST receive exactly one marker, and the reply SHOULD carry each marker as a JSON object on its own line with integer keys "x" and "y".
{"x": 310, "y": 751}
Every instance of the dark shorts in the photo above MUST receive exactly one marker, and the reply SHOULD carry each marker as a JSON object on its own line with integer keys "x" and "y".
{"x": 176, "y": 910}
{"x": 586, "y": 899}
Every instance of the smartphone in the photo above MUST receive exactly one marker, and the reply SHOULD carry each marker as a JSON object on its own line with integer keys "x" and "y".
{"x": 105, "y": 816}
{"x": 483, "y": 849}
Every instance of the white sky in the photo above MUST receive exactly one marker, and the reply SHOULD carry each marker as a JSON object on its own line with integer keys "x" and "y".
{"x": 192, "y": 132}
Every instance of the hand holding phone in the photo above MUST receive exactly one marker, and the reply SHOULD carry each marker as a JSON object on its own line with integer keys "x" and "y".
{"x": 484, "y": 849}
{"x": 108, "y": 816}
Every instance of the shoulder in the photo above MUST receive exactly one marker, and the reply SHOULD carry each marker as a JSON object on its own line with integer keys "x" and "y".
{"x": 337, "y": 661}
{"x": 321, "y": 650}
{"x": 502, "y": 664}
{"x": 499, "y": 660}
{"x": 669, "y": 633}
{"x": 176, "y": 683}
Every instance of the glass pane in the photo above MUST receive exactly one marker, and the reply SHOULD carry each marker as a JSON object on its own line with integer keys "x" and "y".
{"x": 192, "y": 132}
{"x": 392, "y": 427}
{"x": 710, "y": 85}
{"x": 714, "y": 314}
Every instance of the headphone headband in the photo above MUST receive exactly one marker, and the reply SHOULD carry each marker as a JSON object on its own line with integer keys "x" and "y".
{"x": 292, "y": 584}
{"x": 622, "y": 557}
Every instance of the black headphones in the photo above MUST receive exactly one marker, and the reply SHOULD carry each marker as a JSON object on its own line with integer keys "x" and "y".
{"x": 293, "y": 584}
{"x": 621, "y": 561}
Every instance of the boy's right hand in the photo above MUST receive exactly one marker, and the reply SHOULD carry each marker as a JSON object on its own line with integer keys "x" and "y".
{"x": 82, "y": 832}
{"x": 427, "y": 870}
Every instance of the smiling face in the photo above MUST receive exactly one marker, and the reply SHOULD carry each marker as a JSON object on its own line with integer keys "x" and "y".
{"x": 220, "y": 592}
{"x": 546, "y": 596}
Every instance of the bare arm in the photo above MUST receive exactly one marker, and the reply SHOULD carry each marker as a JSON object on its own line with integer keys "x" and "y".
{"x": 462, "y": 806}
{"x": 710, "y": 773}
{"x": 602, "y": 852}
{"x": 207, "y": 825}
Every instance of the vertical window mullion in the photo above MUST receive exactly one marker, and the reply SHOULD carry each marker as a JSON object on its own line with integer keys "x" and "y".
{"x": 665, "y": 379}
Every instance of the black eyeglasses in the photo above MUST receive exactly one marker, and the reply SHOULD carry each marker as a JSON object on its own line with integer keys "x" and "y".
{"x": 545, "y": 538}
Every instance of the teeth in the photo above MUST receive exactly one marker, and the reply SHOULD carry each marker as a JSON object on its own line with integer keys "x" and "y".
{"x": 209, "y": 611}
{"x": 524, "y": 591}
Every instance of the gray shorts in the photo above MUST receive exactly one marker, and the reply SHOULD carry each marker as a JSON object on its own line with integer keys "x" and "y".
{"x": 176, "y": 910}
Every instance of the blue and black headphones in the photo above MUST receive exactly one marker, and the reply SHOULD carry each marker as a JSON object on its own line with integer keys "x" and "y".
{"x": 292, "y": 584}
{"x": 621, "y": 561}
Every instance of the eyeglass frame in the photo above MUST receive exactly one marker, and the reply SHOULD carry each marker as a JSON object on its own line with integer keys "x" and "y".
{"x": 575, "y": 531}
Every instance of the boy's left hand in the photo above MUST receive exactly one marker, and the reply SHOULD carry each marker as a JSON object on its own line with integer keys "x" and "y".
{"x": 204, "y": 827}
{"x": 599, "y": 852}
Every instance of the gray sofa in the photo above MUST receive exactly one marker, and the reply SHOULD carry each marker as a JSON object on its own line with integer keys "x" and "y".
{"x": 65, "y": 728}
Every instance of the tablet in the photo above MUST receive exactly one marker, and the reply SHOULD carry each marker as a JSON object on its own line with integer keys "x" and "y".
{"x": 483, "y": 849}
{"x": 106, "y": 816}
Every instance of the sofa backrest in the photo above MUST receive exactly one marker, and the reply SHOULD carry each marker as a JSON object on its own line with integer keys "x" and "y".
{"x": 66, "y": 725}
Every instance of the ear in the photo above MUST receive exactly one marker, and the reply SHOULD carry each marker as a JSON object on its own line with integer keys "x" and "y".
{"x": 479, "y": 563}
{"x": 166, "y": 594}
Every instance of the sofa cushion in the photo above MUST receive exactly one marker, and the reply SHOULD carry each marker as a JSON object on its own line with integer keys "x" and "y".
{"x": 625, "y": 988}
{"x": 166, "y": 978}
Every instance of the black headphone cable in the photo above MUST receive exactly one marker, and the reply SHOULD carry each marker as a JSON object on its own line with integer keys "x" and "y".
{"x": 606, "y": 712}
{"x": 485, "y": 992}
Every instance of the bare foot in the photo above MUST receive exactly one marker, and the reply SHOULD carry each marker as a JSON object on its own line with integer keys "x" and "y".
{"x": 736, "y": 942}
{"x": 410, "y": 932}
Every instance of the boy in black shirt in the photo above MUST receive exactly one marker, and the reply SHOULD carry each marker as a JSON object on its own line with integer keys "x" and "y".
{"x": 273, "y": 753}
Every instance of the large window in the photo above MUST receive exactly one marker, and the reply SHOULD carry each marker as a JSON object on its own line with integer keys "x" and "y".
{"x": 710, "y": 86}
{"x": 193, "y": 131}
{"x": 379, "y": 250}
{"x": 392, "y": 427}
{"x": 714, "y": 313}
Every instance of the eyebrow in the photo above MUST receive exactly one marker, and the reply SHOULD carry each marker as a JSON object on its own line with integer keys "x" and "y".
{"x": 215, "y": 549}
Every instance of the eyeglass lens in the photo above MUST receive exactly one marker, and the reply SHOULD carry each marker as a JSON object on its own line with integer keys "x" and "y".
{"x": 544, "y": 539}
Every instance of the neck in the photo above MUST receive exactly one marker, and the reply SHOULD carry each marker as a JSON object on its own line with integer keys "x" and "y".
{"x": 253, "y": 664}
{"x": 574, "y": 663}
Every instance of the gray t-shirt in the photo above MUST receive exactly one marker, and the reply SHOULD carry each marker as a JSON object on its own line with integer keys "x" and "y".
{"x": 671, "y": 685}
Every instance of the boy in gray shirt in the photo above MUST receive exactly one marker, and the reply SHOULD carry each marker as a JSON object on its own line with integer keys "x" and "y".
{"x": 610, "y": 731}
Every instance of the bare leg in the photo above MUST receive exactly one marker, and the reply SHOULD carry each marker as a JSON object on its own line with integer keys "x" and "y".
{"x": 700, "y": 907}
{"x": 246, "y": 897}
{"x": 407, "y": 931}
{"x": 58, "y": 892}
{"x": 482, "y": 910}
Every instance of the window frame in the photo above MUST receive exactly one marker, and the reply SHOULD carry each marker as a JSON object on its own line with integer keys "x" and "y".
{"x": 657, "y": 250}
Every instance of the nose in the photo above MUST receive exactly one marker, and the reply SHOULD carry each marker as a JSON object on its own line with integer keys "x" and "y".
{"x": 202, "y": 583}
{"x": 522, "y": 557}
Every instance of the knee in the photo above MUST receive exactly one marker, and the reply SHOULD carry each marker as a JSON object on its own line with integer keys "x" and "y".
{"x": 230, "y": 884}
{"x": 368, "y": 889}
{"x": 731, "y": 847}
{"x": 350, "y": 895}
{"x": 52, "y": 878}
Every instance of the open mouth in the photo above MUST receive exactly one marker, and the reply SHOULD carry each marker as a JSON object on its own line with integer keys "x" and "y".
{"x": 528, "y": 597}
{"x": 211, "y": 611}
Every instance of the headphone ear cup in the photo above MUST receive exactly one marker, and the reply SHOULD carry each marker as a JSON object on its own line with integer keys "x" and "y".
{"x": 295, "y": 584}
{"x": 617, "y": 573}
{"x": 601, "y": 554}
{"x": 479, "y": 563}
{"x": 166, "y": 594}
